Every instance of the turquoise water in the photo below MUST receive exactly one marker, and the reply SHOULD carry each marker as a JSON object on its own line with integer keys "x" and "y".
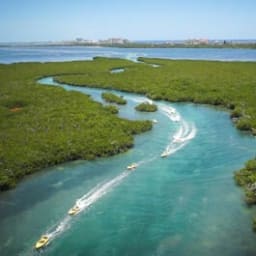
{"x": 183, "y": 204}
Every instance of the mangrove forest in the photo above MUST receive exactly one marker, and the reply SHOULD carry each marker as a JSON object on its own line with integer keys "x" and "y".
{"x": 113, "y": 98}
{"x": 146, "y": 107}
{"x": 44, "y": 125}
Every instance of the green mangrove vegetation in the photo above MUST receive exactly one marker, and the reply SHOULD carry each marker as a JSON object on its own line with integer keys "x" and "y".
{"x": 146, "y": 107}
{"x": 45, "y": 125}
{"x": 246, "y": 177}
{"x": 112, "y": 109}
{"x": 113, "y": 98}
{"x": 227, "y": 84}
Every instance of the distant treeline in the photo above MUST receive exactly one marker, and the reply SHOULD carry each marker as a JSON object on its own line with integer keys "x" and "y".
{"x": 184, "y": 45}
{"x": 224, "y": 44}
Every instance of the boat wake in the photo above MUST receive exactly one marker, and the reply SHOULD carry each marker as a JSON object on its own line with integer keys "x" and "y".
{"x": 95, "y": 194}
{"x": 171, "y": 113}
{"x": 137, "y": 99}
{"x": 183, "y": 135}
{"x": 84, "y": 202}
{"x": 179, "y": 141}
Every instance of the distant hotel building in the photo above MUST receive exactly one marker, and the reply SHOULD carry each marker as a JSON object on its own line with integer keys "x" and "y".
{"x": 109, "y": 41}
{"x": 114, "y": 41}
{"x": 197, "y": 42}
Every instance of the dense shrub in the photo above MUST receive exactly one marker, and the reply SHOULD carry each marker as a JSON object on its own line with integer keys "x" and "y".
{"x": 146, "y": 107}
{"x": 112, "y": 98}
{"x": 45, "y": 125}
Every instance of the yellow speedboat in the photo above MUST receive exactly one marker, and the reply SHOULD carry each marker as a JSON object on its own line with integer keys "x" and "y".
{"x": 42, "y": 242}
{"x": 132, "y": 166}
{"x": 74, "y": 210}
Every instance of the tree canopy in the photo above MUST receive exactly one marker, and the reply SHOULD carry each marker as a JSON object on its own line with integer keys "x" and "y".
{"x": 146, "y": 107}
{"x": 113, "y": 98}
{"x": 45, "y": 125}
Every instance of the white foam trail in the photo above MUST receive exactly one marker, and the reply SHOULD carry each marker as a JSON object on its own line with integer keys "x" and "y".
{"x": 151, "y": 159}
{"x": 179, "y": 133}
{"x": 181, "y": 138}
{"x": 186, "y": 128}
{"x": 139, "y": 99}
{"x": 171, "y": 113}
{"x": 149, "y": 101}
{"x": 85, "y": 201}
{"x": 97, "y": 187}
{"x": 171, "y": 150}
{"x": 64, "y": 224}
{"x": 91, "y": 197}
{"x": 191, "y": 134}
{"x": 184, "y": 134}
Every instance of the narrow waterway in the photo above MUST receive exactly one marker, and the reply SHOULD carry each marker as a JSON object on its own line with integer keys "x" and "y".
{"x": 183, "y": 204}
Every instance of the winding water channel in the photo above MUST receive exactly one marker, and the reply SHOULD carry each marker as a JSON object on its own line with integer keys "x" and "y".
{"x": 183, "y": 204}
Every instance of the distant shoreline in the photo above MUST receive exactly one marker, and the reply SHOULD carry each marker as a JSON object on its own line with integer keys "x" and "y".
{"x": 219, "y": 45}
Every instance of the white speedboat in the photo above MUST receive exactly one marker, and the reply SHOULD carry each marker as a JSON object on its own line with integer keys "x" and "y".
{"x": 177, "y": 139}
{"x": 172, "y": 111}
{"x": 132, "y": 166}
{"x": 164, "y": 154}
{"x": 175, "y": 118}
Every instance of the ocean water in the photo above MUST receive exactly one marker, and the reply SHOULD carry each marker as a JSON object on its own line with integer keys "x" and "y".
{"x": 183, "y": 204}
{"x": 68, "y": 53}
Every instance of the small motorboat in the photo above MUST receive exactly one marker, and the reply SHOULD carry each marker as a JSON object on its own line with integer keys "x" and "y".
{"x": 177, "y": 139}
{"x": 132, "y": 166}
{"x": 74, "y": 210}
{"x": 164, "y": 154}
{"x": 176, "y": 118}
{"x": 42, "y": 242}
{"x": 154, "y": 121}
{"x": 172, "y": 110}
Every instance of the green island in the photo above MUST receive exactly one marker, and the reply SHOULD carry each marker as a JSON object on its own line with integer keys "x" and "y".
{"x": 113, "y": 98}
{"x": 45, "y": 125}
{"x": 146, "y": 107}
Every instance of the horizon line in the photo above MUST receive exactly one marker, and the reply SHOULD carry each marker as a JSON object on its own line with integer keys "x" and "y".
{"x": 129, "y": 40}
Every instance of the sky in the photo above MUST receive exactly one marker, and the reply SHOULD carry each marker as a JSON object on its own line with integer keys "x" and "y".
{"x": 56, "y": 20}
